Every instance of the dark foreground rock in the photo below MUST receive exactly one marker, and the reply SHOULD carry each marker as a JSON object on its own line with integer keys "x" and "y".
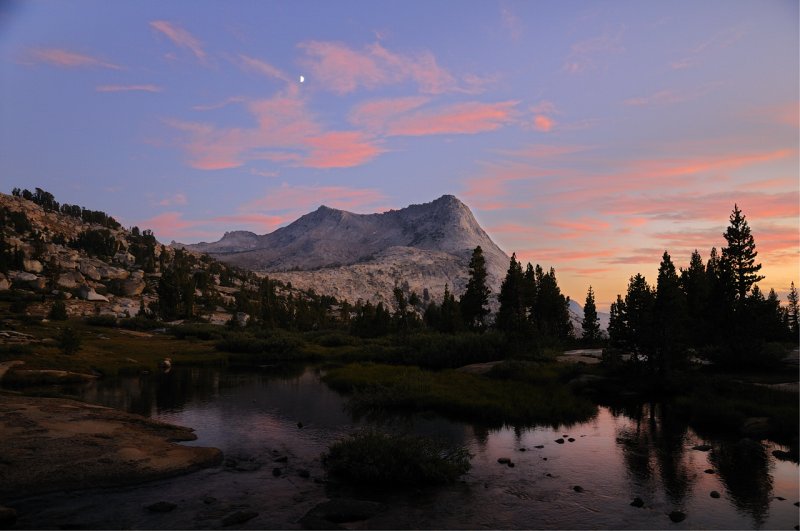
{"x": 8, "y": 517}
{"x": 339, "y": 511}
{"x": 51, "y": 444}
{"x": 239, "y": 517}
{"x": 677, "y": 516}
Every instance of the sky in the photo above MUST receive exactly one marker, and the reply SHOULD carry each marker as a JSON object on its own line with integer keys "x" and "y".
{"x": 585, "y": 136}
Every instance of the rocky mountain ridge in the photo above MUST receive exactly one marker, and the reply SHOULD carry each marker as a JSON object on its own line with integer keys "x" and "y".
{"x": 421, "y": 248}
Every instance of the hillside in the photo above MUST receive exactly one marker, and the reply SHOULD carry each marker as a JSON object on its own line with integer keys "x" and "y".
{"x": 364, "y": 256}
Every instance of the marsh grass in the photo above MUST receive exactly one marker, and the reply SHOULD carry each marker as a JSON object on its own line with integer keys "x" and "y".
{"x": 491, "y": 401}
{"x": 371, "y": 458}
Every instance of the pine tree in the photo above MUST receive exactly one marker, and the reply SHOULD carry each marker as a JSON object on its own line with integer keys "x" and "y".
{"x": 551, "y": 312}
{"x": 618, "y": 323}
{"x": 474, "y": 304}
{"x": 591, "y": 323}
{"x": 792, "y": 313}
{"x": 739, "y": 257}
{"x": 669, "y": 312}
{"x": 695, "y": 286}
{"x": 511, "y": 316}
{"x": 639, "y": 302}
{"x": 450, "y": 320}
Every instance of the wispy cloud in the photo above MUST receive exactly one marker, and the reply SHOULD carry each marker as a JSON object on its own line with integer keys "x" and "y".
{"x": 668, "y": 96}
{"x": 128, "y": 88}
{"x": 262, "y": 67}
{"x": 584, "y": 55}
{"x": 224, "y": 103}
{"x": 511, "y": 22}
{"x": 172, "y": 200}
{"x": 342, "y": 69}
{"x": 718, "y": 41}
{"x": 180, "y": 37}
{"x": 68, "y": 59}
{"x": 286, "y": 132}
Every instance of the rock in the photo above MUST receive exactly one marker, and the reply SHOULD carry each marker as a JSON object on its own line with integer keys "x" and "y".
{"x": 714, "y": 494}
{"x": 637, "y": 502}
{"x": 32, "y": 266}
{"x": 677, "y": 516}
{"x": 276, "y": 472}
{"x": 125, "y": 258}
{"x": 702, "y": 447}
{"x": 89, "y": 271}
{"x": 504, "y": 460}
{"x": 208, "y": 500}
{"x": 112, "y": 273}
{"x": 299, "y": 424}
{"x": 539, "y": 446}
{"x": 340, "y": 511}
{"x": 161, "y": 507}
{"x": 89, "y": 294}
{"x": 709, "y": 471}
{"x": 40, "y": 284}
{"x": 560, "y": 441}
{"x": 242, "y": 318}
{"x": 239, "y": 517}
{"x": 511, "y": 464}
{"x": 303, "y": 473}
{"x": 8, "y": 517}
{"x": 133, "y": 287}
{"x": 756, "y": 427}
{"x": 22, "y": 276}
{"x": 780, "y": 498}
{"x": 577, "y": 488}
{"x": 523, "y": 450}
{"x": 571, "y": 439}
{"x": 282, "y": 459}
{"x": 70, "y": 280}
{"x": 4, "y": 283}
{"x": 797, "y": 504}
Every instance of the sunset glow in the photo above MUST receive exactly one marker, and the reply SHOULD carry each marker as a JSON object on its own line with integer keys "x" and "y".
{"x": 589, "y": 137}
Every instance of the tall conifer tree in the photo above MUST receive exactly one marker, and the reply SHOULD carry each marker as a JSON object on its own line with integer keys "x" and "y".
{"x": 591, "y": 323}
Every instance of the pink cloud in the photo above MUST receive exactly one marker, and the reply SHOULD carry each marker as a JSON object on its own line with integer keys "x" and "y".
{"x": 171, "y": 226}
{"x": 259, "y": 223}
{"x": 342, "y": 69}
{"x": 584, "y": 54}
{"x": 285, "y": 132}
{"x": 544, "y": 151}
{"x": 68, "y": 59}
{"x": 180, "y": 37}
{"x": 459, "y": 118}
{"x": 261, "y": 67}
{"x": 340, "y": 149}
{"x": 665, "y": 97}
{"x": 176, "y": 199}
{"x": 128, "y": 88}
{"x": 374, "y": 115}
{"x": 543, "y": 123}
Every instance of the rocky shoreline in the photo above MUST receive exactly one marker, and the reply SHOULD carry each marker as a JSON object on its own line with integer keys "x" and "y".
{"x": 54, "y": 444}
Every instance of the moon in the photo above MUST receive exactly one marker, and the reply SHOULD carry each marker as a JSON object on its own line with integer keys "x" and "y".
{"x": 302, "y": 78}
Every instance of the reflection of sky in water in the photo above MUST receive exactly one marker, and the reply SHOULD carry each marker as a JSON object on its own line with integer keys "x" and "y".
{"x": 645, "y": 452}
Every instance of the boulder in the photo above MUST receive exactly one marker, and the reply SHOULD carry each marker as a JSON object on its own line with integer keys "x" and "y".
{"x": 125, "y": 258}
{"x": 89, "y": 294}
{"x": 38, "y": 284}
{"x": 714, "y": 494}
{"x": 239, "y": 517}
{"x": 89, "y": 271}
{"x": 112, "y": 273}
{"x": 70, "y": 280}
{"x": 8, "y": 517}
{"x": 32, "y": 266}
{"x": 22, "y": 276}
{"x": 138, "y": 274}
{"x": 67, "y": 264}
{"x": 133, "y": 287}
{"x": 677, "y": 516}
{"x": 242, "y": 318}
{"x": 637, "y": 502}
{"x": 4, "y": 283}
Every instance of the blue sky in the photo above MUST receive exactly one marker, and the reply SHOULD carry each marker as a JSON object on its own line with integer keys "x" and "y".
{"x": 587, "y": 136}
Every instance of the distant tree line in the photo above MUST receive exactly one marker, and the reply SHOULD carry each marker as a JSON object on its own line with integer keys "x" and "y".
{"x": 47, "y": 201}
{"x": 715, "y": 310}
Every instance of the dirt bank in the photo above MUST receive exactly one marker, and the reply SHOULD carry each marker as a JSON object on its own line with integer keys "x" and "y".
{"x": 50, "y": 444}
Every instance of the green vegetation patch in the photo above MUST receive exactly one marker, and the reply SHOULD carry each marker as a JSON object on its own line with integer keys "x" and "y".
{"x": 492, "y": 401}
{"x": 380, "y": 459}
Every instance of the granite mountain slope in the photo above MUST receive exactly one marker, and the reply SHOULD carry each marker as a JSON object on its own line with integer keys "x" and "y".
{"x": 351, "y": 256}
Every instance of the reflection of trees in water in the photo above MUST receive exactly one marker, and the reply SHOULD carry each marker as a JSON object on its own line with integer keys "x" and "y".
{"x": 744, "y": 467}
{"x": 653, "y": 448}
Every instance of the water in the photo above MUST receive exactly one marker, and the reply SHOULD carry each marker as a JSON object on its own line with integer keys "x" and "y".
{"x": 253, "y": 417}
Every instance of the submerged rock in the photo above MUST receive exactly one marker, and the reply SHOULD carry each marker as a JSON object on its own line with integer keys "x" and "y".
{"x": 702, "y": 447}
{"x": 504, "y": 460}
{"x": 677, "y": 516}
{"x": 161, "y": 507}
{"x": 714, "y": 494}
{"x": 560, "y": 441}
{"x": 577, "y": 488}
{"x": 340, "y": 511}
{"x": 239, "y": 517}
{"x": 783, "y": 456}
{"x": 637, "y": 502}
{"x": 709, "y": 471}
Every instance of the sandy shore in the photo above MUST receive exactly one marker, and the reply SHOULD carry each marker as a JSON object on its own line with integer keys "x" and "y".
{"x": 52, "y": 444}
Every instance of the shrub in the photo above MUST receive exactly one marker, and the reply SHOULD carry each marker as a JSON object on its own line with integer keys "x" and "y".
{"x": 58, "y": 312}
{"x": 277, "y": 345}
{"x": 69, "y": 341}
{"x": 378, "y": 459}
{"x": 102, "y": 320}
{"x": 139, "y": 323}
{"x": 206, "y": 332}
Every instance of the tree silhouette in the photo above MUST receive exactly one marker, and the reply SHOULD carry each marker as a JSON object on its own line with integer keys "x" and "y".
{"x": 591, "y": 323}
{"x": 739, "y": 257}
{"x": 475, "y": 300}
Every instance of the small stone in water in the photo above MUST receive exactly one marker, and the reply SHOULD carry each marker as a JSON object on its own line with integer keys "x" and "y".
{"x": 780, "y": 498}
{"x": 714, "y": 494}
{"x": 577, "y": 488}
{"x": 161, "y": 507}
{"x": 709, "y": 470}
{"x": 560, "y": 441}
{"x": 637, "y": 502}
{"x": 523, "y": 450}
{"x": 504, "y": 460}
{"x": 276, "y": 472}
{"x": 539, "y": 446}
{"x": 511, "y": 464}
{"x": 702, "y": 447}
{"x": 677, "y": 516}
{"x": 571, "y": 439}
